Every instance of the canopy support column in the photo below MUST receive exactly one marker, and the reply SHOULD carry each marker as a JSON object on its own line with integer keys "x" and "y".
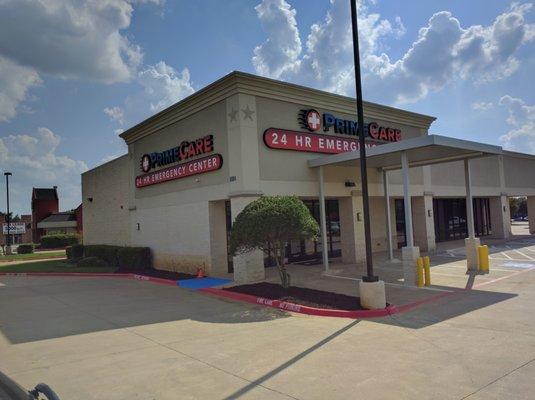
{"x": 388, "y": 219}
{"x": 407, "y": 200}
{"x": 471, "y": 242}
{"x": 323, "y": 221}
{"x": 409, "y": 253}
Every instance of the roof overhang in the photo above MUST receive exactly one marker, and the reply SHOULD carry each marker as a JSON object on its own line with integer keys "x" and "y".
{"x": 57, "y": 224}
{"x": 424, "y": 150}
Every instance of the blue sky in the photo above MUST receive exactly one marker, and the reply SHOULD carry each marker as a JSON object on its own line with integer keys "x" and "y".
{"x": 74, "y": 73}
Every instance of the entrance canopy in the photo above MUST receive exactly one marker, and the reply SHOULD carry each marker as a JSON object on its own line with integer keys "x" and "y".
{"x": 416, "y": 152}
{"x": 424, "y": 150}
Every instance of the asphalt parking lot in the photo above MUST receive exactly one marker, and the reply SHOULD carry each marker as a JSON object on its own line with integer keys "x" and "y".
{"x": 112, "y": 338}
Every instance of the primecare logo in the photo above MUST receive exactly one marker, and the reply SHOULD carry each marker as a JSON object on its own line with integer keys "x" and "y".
{"x": 310, "y": 119}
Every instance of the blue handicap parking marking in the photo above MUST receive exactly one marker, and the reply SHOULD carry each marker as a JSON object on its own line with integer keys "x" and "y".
{"x": 201, "y": 283}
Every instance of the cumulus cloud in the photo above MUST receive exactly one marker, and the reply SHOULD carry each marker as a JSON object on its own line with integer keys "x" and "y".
{"x": 443, "y": 50}
{"x": 522, "y": 119}
{"x": 34, "y": 161}
{"x": 163, "y": 85}
{"x": 15, "y": 81}
{"x": 70, "y": 39}
{"x": 326, "y": 61}
{"x": 280, "y": 52}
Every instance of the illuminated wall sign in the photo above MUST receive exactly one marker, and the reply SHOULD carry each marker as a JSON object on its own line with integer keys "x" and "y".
{"x": 310, "y": 142}
{"x": 312, "y": 121}
{"x": 190, "y": 168}
{"x": 179, "y": 153}
{"x": 184, "y": 151}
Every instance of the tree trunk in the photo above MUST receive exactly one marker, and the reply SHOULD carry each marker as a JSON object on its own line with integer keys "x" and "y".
{"x": 284, "y": 275}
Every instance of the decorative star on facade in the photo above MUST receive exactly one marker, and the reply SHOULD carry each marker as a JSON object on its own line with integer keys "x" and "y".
{"x": 233, "y": 115}
{"x": 247, "y": 113}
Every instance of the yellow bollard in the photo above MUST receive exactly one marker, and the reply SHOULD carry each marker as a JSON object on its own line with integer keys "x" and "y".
{"x": 483, "y": 252}
{"x": 420, "y": 272}
{"x": 427, "y": 270}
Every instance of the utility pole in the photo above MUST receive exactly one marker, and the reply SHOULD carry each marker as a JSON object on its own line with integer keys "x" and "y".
{"x": 8, "y": 217}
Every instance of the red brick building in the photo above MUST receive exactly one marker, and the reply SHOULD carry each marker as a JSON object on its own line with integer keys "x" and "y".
{"x": 46, "y": 218}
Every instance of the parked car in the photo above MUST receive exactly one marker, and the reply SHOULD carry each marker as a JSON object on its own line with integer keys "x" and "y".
{"x": 11, "y": 390}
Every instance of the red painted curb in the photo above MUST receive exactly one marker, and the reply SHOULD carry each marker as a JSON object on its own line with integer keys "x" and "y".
{"x": 283, "y": 305}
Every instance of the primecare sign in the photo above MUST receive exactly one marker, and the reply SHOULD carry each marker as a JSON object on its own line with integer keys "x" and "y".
{"x": 177, "y": 155}
{"x": 313, "y": 121}
{"x": 15, "y": 228}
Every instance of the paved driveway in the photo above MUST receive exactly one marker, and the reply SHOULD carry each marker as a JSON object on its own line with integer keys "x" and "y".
{"x": 112, "y": 338}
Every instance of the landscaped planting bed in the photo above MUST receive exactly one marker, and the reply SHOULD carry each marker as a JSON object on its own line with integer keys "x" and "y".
{"x": 298, "y": 295}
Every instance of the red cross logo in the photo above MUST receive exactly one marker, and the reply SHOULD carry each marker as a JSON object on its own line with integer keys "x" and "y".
{"x": 313, "y": 120}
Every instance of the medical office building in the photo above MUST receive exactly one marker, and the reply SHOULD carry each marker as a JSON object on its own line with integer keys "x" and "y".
{"x": 193, "y": 167}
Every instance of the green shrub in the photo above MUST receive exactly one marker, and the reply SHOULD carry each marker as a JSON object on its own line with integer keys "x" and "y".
{"x": 74, "y": 252}
{"x": 91, "y": 262}
{"x": 104, "y": 252}
{"x": 25, "y": 248}
{"x": 59, "y": 240}
{"x": 134, "y": 258}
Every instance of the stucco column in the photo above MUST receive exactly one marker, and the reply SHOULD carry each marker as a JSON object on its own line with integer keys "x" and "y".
{"x": 352, "y": 228}
{"x": 423, "y": 222}
{"x": 500, "y": 219}
{"x": 248, "y": 267}
{"x": 531, "y": 214}
{"x": 218, "y": 239}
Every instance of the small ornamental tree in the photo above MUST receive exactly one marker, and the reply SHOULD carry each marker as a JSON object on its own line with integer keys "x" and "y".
{"x": 268, "y": 224}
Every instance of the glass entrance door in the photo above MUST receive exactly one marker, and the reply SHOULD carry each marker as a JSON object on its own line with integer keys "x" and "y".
{"x": 401, "y": 234}
{"x": 312, "y": 249}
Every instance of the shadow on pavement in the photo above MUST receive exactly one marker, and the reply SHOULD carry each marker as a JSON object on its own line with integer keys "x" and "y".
{"x": 41, "y": 308}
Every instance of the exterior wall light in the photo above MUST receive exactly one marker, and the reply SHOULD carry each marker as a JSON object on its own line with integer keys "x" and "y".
{"x": 349, "y": 183}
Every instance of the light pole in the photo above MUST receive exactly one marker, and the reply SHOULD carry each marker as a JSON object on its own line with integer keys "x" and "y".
{"x": 371, "y": 289}
{"x": 8, "y": 217}
{"x": 360, "y": 129}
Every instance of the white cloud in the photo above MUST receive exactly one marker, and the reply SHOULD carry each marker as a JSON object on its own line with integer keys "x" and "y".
{"x": 34, "y": 162}
{"x": 163, "y": 85}
{"x": 481, "y": 105}
{"x": 522, "y": 118}
{"x": 70, "y": 39}
{"x": 15, "y": 81}
{"x": 327, "y": 61}
{"x": 280, "y": 52}
{"x": 443, "y": 51}
{"x": 115, "y": 113}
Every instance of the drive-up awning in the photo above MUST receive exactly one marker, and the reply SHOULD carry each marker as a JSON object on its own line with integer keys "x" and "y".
{"x": 424, "y": 150}
{"x": 415, "y": 152}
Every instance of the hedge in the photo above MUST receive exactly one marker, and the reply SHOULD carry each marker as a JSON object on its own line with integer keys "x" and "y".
{"x": 58, "y": 240}
{"x": 25, "y": 248}
{"x": 104, "y": 252}
{"x": 88, "y": 262}
{"x": 74, "y": 252}
{"x": 134, "y": 258}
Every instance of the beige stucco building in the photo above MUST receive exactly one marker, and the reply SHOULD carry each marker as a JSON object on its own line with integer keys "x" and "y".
{"x": 249, "y": 136}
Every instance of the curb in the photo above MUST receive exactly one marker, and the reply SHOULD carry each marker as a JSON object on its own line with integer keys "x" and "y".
{"x": 391, "y": 309}
{"x": 298, "y": 308}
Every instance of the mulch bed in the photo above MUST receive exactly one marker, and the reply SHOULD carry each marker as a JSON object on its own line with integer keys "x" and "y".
{"x": 298, "y": 295}
{"x": 156, "y": 273}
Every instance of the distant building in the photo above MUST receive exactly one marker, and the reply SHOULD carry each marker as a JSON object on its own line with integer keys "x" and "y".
{"x": 46, "y": 218}
{"x": 20, "y": 230}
